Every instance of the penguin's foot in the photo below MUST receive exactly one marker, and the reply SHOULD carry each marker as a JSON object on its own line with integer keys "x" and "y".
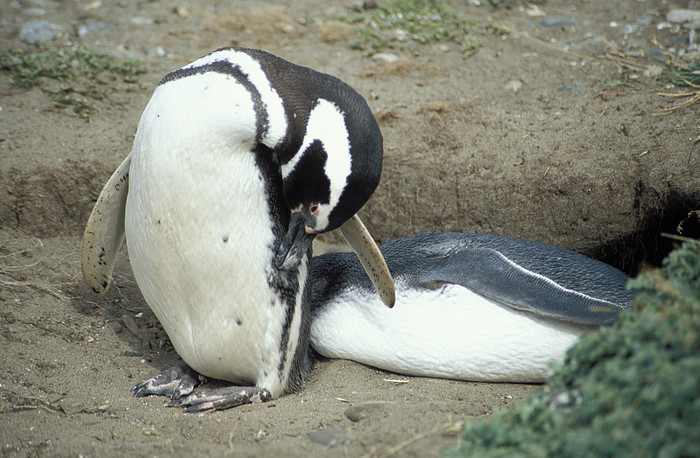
{"x": 176, "y": 382}
{"x": 222, "y": 398}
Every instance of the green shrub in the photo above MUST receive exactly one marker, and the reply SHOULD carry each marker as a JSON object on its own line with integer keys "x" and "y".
{"x": 632, "y": 389}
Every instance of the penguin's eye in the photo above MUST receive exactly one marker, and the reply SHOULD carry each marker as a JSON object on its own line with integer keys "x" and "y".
{"x": 313, "y": 209}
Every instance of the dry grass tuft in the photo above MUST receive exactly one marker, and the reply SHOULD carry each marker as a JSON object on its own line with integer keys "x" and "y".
{"x": 691, "y": 97}
{"x": 20, "y": 273}
{"x": 263, "y": 25}
{"x": 334, "y": 31}
{"x": 436, "y": 107}
{"x": 387, "y": 115}
{"x": 610, "y": 94}
{"x": 398, "y": 68}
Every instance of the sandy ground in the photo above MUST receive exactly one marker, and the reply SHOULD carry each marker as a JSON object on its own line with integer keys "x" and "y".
{"x": 564, "y": 159}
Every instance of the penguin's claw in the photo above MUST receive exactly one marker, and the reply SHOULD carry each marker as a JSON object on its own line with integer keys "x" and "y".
{"x": 222, "y": 398}
{"x": 175, "y": 383}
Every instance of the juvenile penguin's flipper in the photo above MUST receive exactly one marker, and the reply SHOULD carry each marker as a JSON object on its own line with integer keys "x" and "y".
{"x": 538, "y": 287}
{"x": 104, "y": 232}
{"x": 542, "y": 279}
{"x": 371, "y": 258}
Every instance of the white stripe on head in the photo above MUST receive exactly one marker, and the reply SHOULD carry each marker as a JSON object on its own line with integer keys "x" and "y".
{"x": 327, "y": 125}
{"x": 277, "y": 119}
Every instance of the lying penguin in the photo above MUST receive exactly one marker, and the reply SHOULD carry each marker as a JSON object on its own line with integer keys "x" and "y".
{"x": 240, "y": 160}
{"x": 468, "y": 306}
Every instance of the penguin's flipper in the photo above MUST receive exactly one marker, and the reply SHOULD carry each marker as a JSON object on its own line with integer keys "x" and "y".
{"x": 104, "y": 232}
{"x": 536, "y": 287}
{"x": 371, "y": 258}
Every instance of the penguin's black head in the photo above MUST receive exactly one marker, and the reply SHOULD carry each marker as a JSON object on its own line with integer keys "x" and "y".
{"x": 326, "y": 203}
{"x": 335, "y": 171}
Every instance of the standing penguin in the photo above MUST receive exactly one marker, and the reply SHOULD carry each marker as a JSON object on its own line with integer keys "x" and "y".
{"x": 239, "y": 160}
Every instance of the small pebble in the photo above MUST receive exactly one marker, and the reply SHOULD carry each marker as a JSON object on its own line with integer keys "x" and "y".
{"x": 632, "y": 52}
{"x": 130, "y": 351}
{"x": 385, "y": 58}
{"x": 141, "y": 20}
{"x": 330, "y": 437}
{"x": 93, "y": 5}
{"x": 564, "y": 89}
{"x": 653, "y": 71}
{"x": 556, "y": 21}
{"x": 361, "y": 5}
{"x": 534, "y": 11}
{"x": 131, "y": 325}
{"x": 513, "y": 85}
{"x": 367, "y": 409}
{"x": 683, "y": 15}
{"x": 34, "y": 32}
{"x": 84, "y": 29}
{"x": 629, "y": 28}
{"x": 645, "y": 20}
{"x": 34, "y": 11}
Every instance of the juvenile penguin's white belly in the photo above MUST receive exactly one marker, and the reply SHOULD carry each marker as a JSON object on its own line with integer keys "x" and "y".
{"x": 199, "y": 232}
{"x": 449, "y": 332}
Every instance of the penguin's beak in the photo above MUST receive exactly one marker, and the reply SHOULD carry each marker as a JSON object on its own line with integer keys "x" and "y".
{"x": 296, "y": 243}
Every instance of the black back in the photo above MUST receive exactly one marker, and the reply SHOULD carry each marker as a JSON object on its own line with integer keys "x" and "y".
{"x": 536, "y": 277}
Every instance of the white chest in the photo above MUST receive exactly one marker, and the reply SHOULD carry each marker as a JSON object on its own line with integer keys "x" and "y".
{"x": 199, "y": 231}
{"x": 449, "y": 332}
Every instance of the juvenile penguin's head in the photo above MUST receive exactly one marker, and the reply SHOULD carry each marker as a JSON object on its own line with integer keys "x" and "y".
{"x": 332, "y": 175}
